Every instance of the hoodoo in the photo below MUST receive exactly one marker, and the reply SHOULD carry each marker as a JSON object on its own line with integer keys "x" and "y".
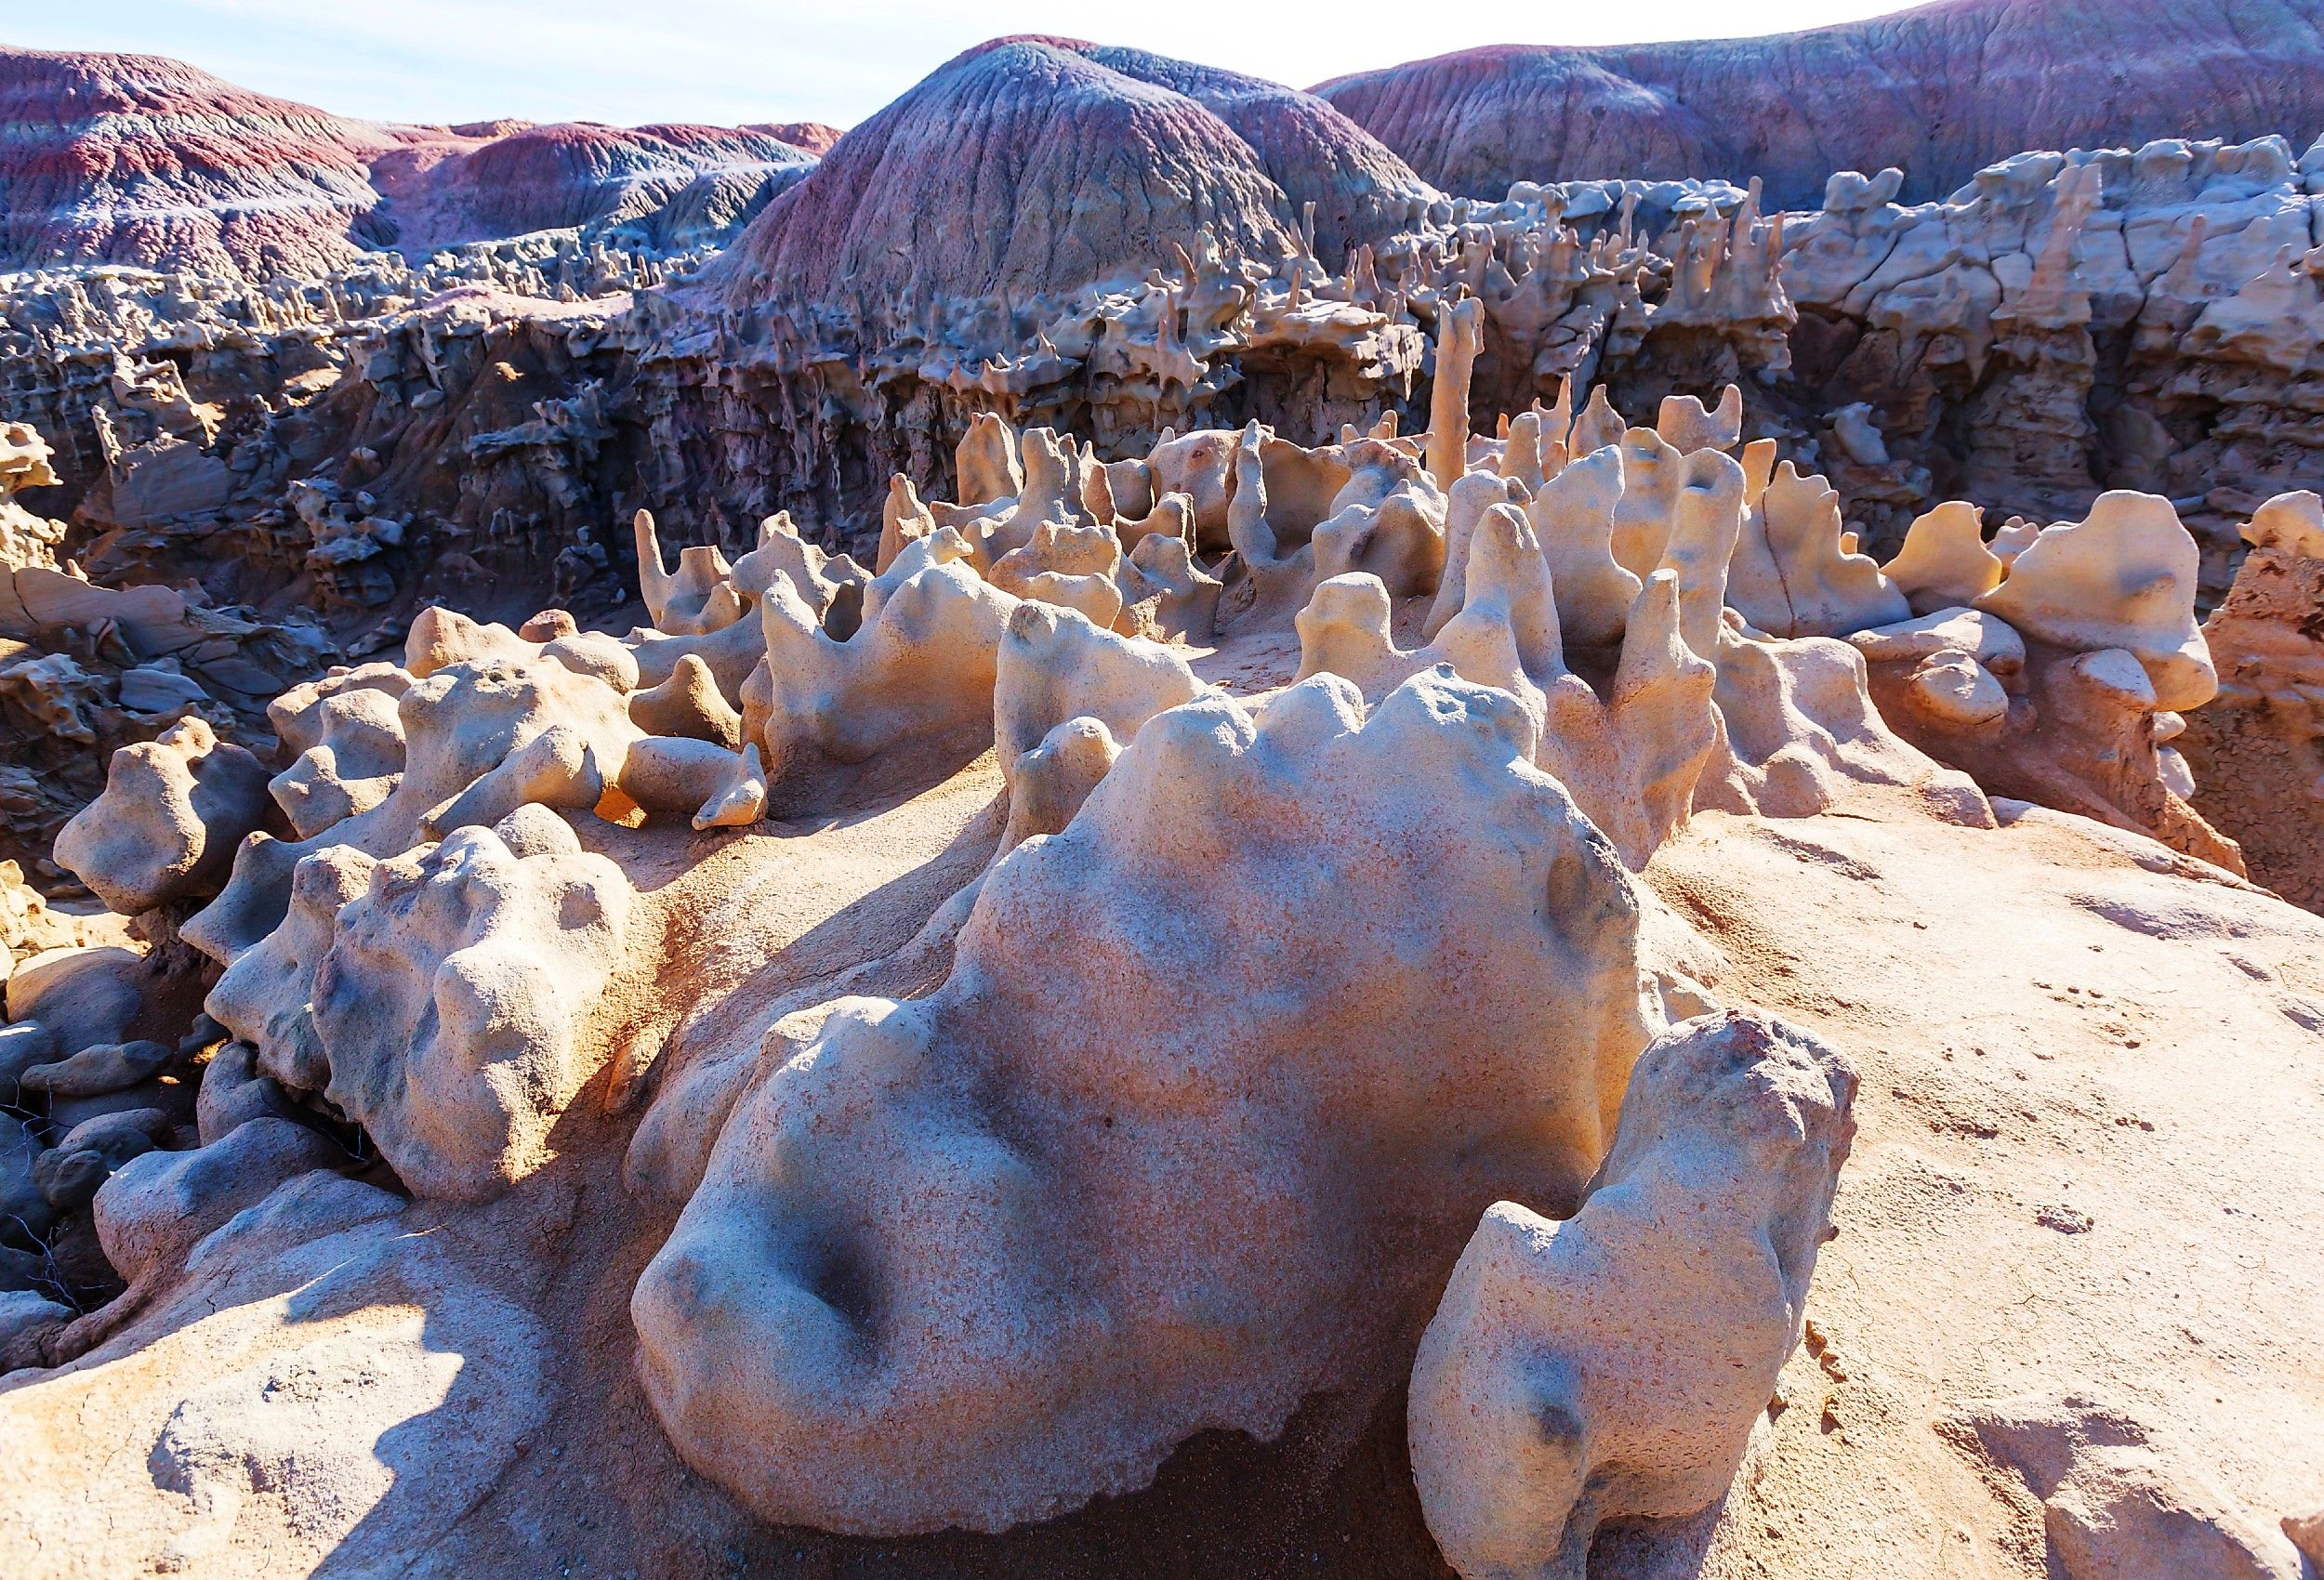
{"x": 1082, "y": 834}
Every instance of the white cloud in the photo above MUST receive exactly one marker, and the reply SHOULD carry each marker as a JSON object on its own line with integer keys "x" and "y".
{"x": 727, "y": 61}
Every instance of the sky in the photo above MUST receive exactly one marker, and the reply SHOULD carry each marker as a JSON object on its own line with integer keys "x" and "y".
{"x": 723, "y": 61}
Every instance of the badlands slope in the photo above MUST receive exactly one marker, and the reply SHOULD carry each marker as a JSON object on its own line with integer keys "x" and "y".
{"x": 1938, "y": 90}
{"x": 142, "y": 160}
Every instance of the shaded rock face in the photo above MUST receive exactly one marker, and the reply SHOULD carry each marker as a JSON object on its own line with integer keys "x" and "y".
{"x": 483, "y": 421}
{"x": 141, "y": 158}
{"x": 2124, "y": 317}
{"x": 1024, "y": 1032}
{"x": 987, "y": 1215}
{"x": 2257, "y": 755}
{"x": 1938, "y": 91}
{"x": 1109, "y": 244}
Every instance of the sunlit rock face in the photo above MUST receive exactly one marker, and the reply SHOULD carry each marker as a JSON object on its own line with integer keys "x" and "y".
{"x": 1266, "y": 936}
{"x": 1035, "y": 167}
{"x": 2053, "y": 328}
{"x": 1060, "y": 232}
{"x": 1137, "y": 836}
{"x": 1938, "y": 91}
{"x": 142, "y": 160}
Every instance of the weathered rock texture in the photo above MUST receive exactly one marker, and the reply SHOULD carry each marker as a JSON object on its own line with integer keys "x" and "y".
{"x": 250, "y": 254}
{"x": 141, "y": 160}
{"x": 663, "y": 188}
{"x": 2114, "y": 1500}
{"x": 987, "y": 1047}
{"x": 2067, "y": 323}
{"x": 2256, "y": 754}
{"x": 174, "y": 810}
{"x": 1163, "y": 152}
{"x": 136, "y": 158}
{"x": 445, "y": 1003}
{"x": 2064, "y": 682}
{"x": 2062, "y": 326}
{"x": 1611, "y": 1367}
{"x": 1000, "y": 238}
{"x": 1938, "y": 90}
{"x": 85, "y": 668}
{"x": 962, "y": 1291}
{"x": 974, "y": 1142}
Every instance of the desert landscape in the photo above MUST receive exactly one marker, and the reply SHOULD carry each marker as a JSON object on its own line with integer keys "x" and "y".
{"x": 1549, "y": 813}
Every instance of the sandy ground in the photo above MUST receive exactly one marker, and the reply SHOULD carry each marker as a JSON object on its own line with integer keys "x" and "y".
{"x": 2087, "y": 1167}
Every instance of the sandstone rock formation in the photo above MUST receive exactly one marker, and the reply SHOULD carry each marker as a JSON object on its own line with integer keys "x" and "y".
{"x": 134, "y": 158}
{"x": 85, "y": 668}
{"x": 2112, "y": 1500}
{"x": 444, "y": 1004}
{"x": 2063, "y": 681}
{"x": 1218, "y": 160}
{"x": 167, "y": 825}
{"x": 202, "y": 261}
{"x": 917, "y": 672}
{"x": 919, "y": 887}
{"x": 1610, "y": 1366}
{"x": 25, "y": 538}
{"x": 2252, "y": 754}
{"x": 895, "y": 310}
{"x": 1936, "y": 360}
{"x": 2082, "y": 314}
{"x": 668, "y": 189}
{"x": 993, "y": 1238}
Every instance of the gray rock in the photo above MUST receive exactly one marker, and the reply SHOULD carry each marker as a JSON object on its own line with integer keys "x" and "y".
{"x": 70, "y": 1172}
{"x": 154, "y": 1207}
{"x": 25, "y": 1213}
{"x": 81, "y": 998}
{"x": 23, "y": 1270}
{"x": 233, "y": 1093}
{"x": 150, "y": 690}
{"x": 168, "y": 476}
{"x": 22, "y": 1312}
{"x": 97, "y": 1070}
{"x": 23, "y": 1043}
{"x": 309, "y": 1208}
{"x": 174, "y": 1098}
